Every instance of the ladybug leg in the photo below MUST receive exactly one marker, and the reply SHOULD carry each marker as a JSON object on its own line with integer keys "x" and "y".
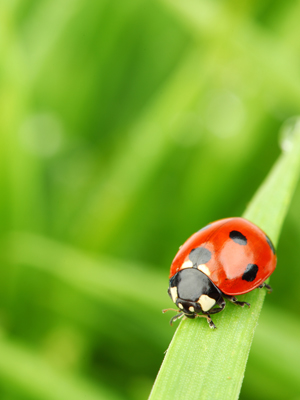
{"x": 222, "y": 305}
{"x": 210, "y": 323}
{"x": 234, "y": 300}
{"x": 268, "y": 287}
{"x": 180, "y": 315}
{"x": 209, "y": 320}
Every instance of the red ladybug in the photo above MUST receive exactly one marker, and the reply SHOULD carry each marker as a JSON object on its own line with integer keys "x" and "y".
{"x": 228, "y": 257}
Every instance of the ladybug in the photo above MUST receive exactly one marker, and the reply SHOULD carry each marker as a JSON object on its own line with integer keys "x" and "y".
{"x": 226, "y": 258}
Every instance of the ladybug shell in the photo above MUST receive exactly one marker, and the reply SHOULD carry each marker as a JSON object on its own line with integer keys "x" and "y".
{"x": 234, "y": 253}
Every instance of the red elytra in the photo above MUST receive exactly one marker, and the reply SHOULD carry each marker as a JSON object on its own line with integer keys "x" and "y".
{"x": 234, "y": 244}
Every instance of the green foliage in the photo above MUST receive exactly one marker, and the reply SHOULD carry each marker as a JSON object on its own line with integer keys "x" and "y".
{"x": 125, "y": 127}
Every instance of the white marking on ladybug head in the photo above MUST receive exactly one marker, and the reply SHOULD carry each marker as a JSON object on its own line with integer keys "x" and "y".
{"x": 191, "y": 309}
{"x": 180, "y": 306}
{"x": 206, "y": 302}
{"x": 187, "y": 264}
{"x": 174, "y": 293}
{"x": 204, "y": 269}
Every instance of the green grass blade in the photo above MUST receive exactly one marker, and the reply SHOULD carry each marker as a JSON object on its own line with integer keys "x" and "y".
{"x": 149, "y": 142}
{"x": 91, "y": 275}
{"x": 270, "y": 203}
{"x": 24, "y": 370}
{"x": 205, "y": 364}
{"x": 94, "y": 277}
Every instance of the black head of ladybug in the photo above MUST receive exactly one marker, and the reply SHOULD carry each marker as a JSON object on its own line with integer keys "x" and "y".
{"x": 194, "y": 293}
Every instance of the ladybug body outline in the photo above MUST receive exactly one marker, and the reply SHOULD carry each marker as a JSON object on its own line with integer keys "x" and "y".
{"x": 228, "y": 257}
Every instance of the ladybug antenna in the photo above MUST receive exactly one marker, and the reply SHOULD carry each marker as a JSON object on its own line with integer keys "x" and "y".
{"x": 169, "y": 309}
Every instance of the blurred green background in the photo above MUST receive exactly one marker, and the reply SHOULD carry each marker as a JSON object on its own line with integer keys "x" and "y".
{"x": 125, "y": 127}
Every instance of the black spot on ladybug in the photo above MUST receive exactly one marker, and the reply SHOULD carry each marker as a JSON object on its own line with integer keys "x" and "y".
{"x": 250, "y": 273}
{"x": 271, "y": 244}
{"x": 199, "y": 256}
{"x": 238, "y": 237}
{"x": 205, "y": 227}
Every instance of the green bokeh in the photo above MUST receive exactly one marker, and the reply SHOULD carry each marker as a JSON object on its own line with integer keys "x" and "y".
{"x": 124, "y": 128}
